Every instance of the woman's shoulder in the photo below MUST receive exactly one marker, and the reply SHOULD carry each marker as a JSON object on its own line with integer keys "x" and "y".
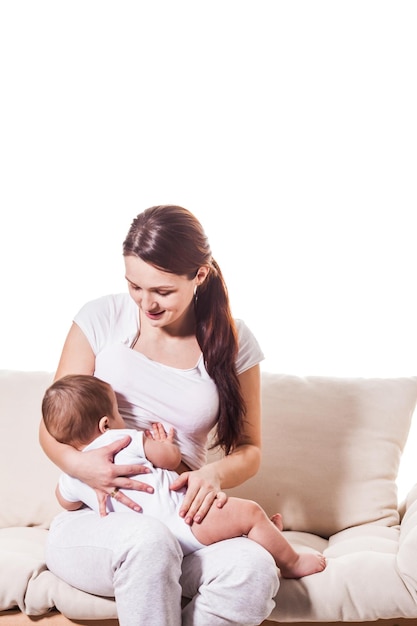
{"x": 109, "y": 302}
{"x": 243, "y": 330}
{"x": 111, "y": 306}
{"x": 113, "y": 317}
{"x": 249, "y": 351}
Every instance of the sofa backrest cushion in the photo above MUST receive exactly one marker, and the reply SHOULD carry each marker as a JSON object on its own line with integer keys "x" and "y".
{"x": 331, "y": 450}
{"x": 28, "y": 478}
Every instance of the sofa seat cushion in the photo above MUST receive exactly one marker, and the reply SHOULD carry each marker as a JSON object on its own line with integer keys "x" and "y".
{"x": 26, "y": 583}
{"x": 361, "y": 582}
{"x": 366, "y": 538}
{"x": 21, "y": 560}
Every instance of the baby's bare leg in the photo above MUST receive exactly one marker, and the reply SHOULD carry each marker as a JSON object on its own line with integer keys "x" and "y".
{"x": 244, "y": 517}
{"x": 305, "y": 560}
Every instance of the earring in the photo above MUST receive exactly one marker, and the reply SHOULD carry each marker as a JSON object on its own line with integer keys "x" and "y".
{"x": 195, "y": 294}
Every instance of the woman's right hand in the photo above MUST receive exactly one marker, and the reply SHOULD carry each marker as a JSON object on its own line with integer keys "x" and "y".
{"x": 98, "y": 470}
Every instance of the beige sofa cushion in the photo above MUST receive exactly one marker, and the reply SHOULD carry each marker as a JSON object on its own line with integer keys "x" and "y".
{"x": 331, "y": 450}
{"x": 322, "y": 484}
{"x": 28, "y": 493}
{"x": 21, "y": 560}
{"x": 26, "y": 583}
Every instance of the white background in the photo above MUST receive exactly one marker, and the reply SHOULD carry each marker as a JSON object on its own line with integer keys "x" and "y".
{"x": 288, "y": 128}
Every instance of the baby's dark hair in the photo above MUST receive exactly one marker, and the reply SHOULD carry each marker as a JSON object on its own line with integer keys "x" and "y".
{"x": 73, "y": 405}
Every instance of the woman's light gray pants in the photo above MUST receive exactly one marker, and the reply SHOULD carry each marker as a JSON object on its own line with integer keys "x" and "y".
{"x": 137, "y": 560}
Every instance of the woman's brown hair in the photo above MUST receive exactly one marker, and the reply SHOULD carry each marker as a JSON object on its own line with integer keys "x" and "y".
{"x": 171, "y": 238}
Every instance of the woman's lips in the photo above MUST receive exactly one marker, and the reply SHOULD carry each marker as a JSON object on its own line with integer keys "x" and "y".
{"x": 154, "y": 316}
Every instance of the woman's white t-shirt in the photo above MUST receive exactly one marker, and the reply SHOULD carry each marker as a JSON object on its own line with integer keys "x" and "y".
{"x": 148, "y": 391}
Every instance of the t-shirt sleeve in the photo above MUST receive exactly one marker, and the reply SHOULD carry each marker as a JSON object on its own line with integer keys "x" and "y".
{"x": 249, "y": 353}
{"x": 74, "y": 490}
{"x": 66, "y": 487}
{"x": 109, "y": 319}
{"x": 137, "y": 445}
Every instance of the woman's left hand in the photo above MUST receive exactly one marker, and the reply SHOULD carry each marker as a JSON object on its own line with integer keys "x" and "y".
{"x": 203, "y": 489}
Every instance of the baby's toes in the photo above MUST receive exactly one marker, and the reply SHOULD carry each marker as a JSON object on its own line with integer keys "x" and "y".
{"x": 322, "y": 561}
{"x": 277, "y": 520}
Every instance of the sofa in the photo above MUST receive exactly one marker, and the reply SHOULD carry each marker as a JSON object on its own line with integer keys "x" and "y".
{"x": 331, "y": 452}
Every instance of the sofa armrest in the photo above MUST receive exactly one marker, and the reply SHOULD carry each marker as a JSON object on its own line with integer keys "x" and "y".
{"x": 408, "y": 501}
{"x": 407, "y": 549}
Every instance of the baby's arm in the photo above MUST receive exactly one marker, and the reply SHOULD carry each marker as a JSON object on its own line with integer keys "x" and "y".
{"x": 67, "y": 504}
{"x": 160, "y": 448}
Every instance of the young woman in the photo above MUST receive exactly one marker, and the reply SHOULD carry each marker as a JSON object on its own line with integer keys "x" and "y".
{"x": 173, "y": 354}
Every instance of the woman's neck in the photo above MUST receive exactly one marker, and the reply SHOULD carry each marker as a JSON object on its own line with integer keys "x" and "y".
{"x": 175, "y": 346}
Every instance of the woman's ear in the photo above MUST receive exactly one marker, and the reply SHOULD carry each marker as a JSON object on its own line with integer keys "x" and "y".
{"x": 202, "y": 274}
{"x": 104, "y": 424}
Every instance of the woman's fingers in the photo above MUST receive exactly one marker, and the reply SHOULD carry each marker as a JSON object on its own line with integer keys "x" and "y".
{"x": 108, "y": 478}
{"x": 221, "y": 498}
{"x": 123, "y": 482}
{"x": 116, "y": 446}
{"x": 115, "y": 494}
{"x": 200, "y": 507}
{"x": 124, "y": 471}
{"x": 118, "y": 495}
{"x": 180, "y": 482}
{"x": 102, "y": 502}
{"x": 199, "y": 497}
{"x": 197, "y": 502}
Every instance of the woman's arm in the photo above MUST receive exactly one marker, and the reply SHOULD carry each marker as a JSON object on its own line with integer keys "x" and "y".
{"x": 96, "y": 467}
{"x": 204, "y": 485}
{"x": 77, "y": 358}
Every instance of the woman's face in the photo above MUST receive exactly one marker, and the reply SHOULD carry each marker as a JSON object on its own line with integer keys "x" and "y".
{"x": 163, "y": 298}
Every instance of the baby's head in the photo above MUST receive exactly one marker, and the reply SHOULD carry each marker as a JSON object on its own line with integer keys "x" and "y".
{"x": 78, "y": 407}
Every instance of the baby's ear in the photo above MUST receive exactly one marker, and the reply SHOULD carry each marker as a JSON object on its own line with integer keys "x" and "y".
{"x": 104, "y": 424}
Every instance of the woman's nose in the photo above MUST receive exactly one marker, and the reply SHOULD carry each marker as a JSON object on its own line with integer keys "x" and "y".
{"x": 148, "y": 302}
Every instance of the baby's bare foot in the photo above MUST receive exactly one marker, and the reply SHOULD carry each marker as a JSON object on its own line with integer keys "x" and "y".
{"x": 305, "y": 565}
{"x": 277, "y": 520}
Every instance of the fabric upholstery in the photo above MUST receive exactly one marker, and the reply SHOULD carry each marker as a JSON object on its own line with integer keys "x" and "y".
{"x": 331, "y": 449}
{"x": 29, "y": 493}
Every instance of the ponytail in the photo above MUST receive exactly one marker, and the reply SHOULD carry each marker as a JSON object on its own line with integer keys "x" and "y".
{"x": 217, "y": 336}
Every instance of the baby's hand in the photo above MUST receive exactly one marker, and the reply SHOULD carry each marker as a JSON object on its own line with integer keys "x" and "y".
{"x": 160, "y": 447}
{"x": 158, "y": 433}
